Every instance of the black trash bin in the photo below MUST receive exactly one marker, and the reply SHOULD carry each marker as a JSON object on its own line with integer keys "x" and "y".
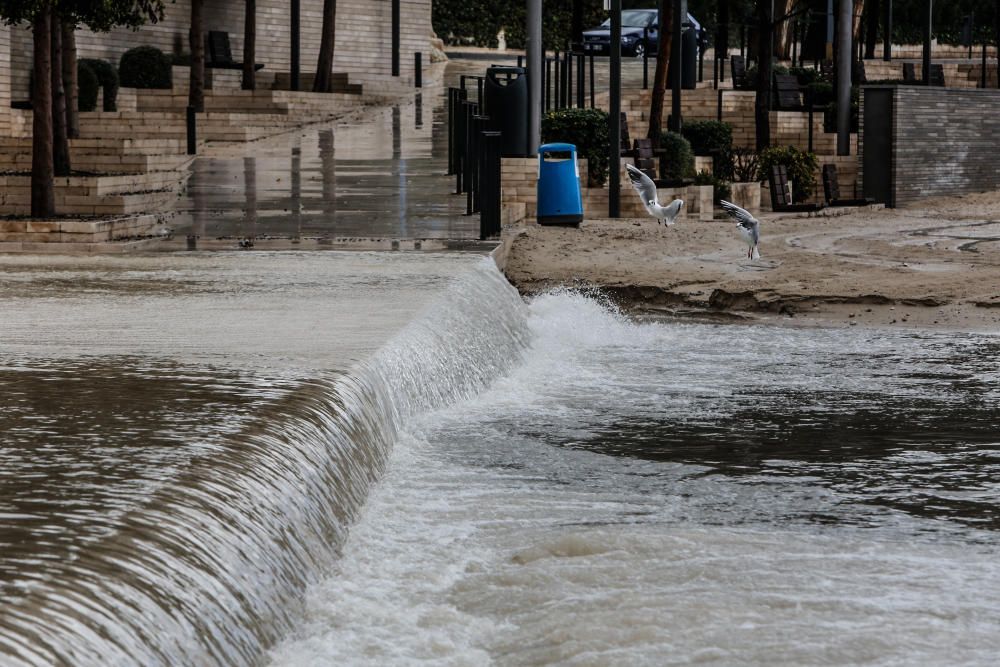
{"x": 506, "y": 100}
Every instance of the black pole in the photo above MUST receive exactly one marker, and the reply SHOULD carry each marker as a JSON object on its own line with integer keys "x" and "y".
{"x": 615, "y": 138}
{"x": 677, "y": 66}
{"x": 702, "y": 44}
{"x": 418, "y": 73}
{"x": 569, "y": 76}
{"x": 592, "y": 103}
{"x": 395, "y": 37}
{"x": 295, "y": 39}
{"x": 983, "y": 76}
{"x": 192, "y": 132}
{"x": 887, "y": 32}
{"x": 743, "y": 41}
{"x": 718, "y": 115}
{"x": 811, "y": 110}
{"x": 928, "y": 28}
{"x": 581, "y": 59}
{"x": 645, "y": 58}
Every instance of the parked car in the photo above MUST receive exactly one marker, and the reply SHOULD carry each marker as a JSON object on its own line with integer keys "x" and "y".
{"x": 640, "y": 33}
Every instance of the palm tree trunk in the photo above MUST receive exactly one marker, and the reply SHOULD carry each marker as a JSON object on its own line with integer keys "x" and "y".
{"x": 250, "y": 45}
{"x": 69, "y": 79}
{"x": 660, "y": 75}
{"x": 60, "y": 138}
{"x": 43, "y": 203}
{"x": 196, "y": 91}
{"x": 324, "y": 67}
{"x": 762, "y": 105}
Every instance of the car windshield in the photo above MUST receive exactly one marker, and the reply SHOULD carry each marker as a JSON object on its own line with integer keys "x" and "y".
{"x": 633, "y": 19}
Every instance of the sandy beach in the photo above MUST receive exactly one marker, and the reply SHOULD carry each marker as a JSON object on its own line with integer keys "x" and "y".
{"x": 937, "y": 267}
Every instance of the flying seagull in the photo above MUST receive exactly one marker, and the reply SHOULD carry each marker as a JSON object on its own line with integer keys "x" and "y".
{"x": 747, "y": 225}
{"x": 646, "y": 188}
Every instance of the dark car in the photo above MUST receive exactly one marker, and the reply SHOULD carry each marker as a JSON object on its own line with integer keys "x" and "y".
{"x": 640, "y": 33}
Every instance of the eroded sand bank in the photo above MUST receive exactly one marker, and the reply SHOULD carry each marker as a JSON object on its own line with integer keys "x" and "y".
{"x": 938, "y": 266}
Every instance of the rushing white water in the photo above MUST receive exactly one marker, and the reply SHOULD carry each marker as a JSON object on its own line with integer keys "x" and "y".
{"x": 673, "y": 494}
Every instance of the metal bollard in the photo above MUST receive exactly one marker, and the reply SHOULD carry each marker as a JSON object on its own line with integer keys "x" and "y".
{"x": 489, "y": 185}
{"x": 192, "y": 131}
{"x": 418, "y": 77}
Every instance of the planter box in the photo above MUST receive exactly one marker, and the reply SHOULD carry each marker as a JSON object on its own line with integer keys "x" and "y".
{"x": 748, "y": 195}
{"x": 698, "y": 201}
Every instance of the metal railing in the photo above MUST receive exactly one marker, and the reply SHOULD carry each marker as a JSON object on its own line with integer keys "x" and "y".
{"x": 474, "y": 160}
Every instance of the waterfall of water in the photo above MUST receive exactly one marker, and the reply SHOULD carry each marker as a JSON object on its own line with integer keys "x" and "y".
{"x": 211, "y": 567}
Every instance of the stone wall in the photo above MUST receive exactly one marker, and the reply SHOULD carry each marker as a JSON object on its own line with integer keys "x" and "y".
{"x": 945, "y": 142}
{"x": 363, "y": 44}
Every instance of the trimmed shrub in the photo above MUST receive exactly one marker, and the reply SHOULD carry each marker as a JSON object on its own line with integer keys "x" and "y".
{"x": 708, "y": 137}
{"x": 145, "y": 67}
{"x": 87, "y": 85}
{"x": 739, "y": 165}
{"x": 107, "y": 76}
{"x": 677, "y": 163}
{"x": 720, "y": 187}
{"x": 821, "y": 93}
{"x": 805, "y": 75}
{"x": 587, "y": 129}
{"x": 801, "y": 167}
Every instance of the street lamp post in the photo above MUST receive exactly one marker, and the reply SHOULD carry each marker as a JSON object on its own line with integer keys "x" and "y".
{"x": 614, "y": 143}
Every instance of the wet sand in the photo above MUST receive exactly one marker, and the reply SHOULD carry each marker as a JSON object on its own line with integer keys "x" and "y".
{"x": 936, "y": 267}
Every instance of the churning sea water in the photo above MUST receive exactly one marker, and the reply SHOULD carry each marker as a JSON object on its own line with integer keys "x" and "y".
{"x": 662, "y": 493}
{"x": 502, "y": 482}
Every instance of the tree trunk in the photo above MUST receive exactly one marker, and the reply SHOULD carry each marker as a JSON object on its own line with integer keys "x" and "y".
{"x": 324, "y": 67}
{"x": 43, "y": 201}
{"x": 762, "y": 105}
{"x": 859, "y": 9}
{"x": 874, "y": 12}
{"x": 60, "y": 139}
{"x": 784, "y": 30}
{"x": 250, "y": 45}
{"x": 196, "y": 91}
{"x": 69, "y": 79}
{"x": 576, "y": 22}
{"x": 722, "y": 39}
{"x": 660, "y": 75}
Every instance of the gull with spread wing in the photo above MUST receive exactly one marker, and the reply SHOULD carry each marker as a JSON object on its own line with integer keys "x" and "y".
{"x": 747, "y": 225}
{"x": 646, "y": 188}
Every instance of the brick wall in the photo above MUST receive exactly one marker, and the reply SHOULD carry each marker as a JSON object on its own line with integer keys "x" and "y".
{"x": 4, "y": 80}
{"x": 363, "y": 45}
{"x": 945, "y": 142}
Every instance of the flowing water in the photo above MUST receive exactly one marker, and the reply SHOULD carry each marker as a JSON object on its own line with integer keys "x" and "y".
{"x": 496, "y": 482}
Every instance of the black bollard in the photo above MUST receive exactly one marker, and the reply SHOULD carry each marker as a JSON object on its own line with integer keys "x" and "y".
{"x": 418, "y": 78}
{"x": 192, "y": 132}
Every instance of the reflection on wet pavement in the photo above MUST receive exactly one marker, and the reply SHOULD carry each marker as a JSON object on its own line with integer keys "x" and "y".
{"x": 383, "y": 175}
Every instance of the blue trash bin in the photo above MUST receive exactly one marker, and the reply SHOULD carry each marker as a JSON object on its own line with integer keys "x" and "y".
{"x": 559, "y": 199}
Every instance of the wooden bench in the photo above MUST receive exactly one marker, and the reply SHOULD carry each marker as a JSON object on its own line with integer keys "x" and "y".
{"x": 220, "y": 56}
{"x": 781, "y": 193}
{"x": 788, "y": 92}
{"x": 738, "y": 71}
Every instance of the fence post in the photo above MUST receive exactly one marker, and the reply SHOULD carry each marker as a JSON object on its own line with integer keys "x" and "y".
{"x": 418, "y": 76}
{"x": 489, "y": 185}
{"x": 592, "y": 104}
{"x": 645, "y": 58}
{"x": 719, "y": 113}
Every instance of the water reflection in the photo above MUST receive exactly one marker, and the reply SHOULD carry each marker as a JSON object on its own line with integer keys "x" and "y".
{"x": 374, "y": 177}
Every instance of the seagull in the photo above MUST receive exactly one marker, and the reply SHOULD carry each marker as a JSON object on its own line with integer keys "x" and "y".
{"x": 747, "y": 225}
{"x": 646, "y": 188}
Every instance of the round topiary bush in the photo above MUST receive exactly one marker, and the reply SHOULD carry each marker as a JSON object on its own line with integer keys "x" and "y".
{"x": 708, "y": 137}
{"x": 677, "y": 163}
{"x": 587, "y": 129}
{"x": 107, "y": 76}
{"x": 144, "y": 67}
{"x": 87, "y": 85}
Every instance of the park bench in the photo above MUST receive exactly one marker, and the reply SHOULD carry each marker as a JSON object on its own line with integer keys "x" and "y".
{"x": 831, "y": 189}
{"x": 738, "y": 71}
{"x": 781, "y": 193}
{"x": 220, "y": 56}
{"x": 788, "y": 92}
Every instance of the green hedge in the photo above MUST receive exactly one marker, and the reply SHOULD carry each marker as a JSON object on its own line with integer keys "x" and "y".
{"x": 708, "y": 137}
{"x": 87, "y": 86}
{"x": 145, "y": 67}
{"x": 801, "y": 168}
{"x": 677, "y": 163}
{"x": 107, "y": 76}
{"x": 587, "y": 129}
